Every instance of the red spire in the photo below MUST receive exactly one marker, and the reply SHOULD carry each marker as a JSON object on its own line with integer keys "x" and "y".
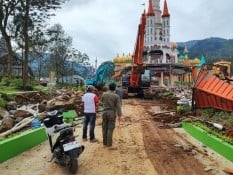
{"x": 150, "y": 9}
{"x": 165, "y": 10}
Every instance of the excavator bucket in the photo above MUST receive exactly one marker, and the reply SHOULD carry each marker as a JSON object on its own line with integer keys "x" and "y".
{"x": 213, "y": 91}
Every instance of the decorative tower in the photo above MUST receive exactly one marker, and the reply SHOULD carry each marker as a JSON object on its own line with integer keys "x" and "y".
{"x": 158, "y": 23}
{"x": 95, "y": 68}
{"x": 157, "y": 11}
{"x": 150, "y": 26}
{"x": 95, "y": 63}
{"x": 186, "y": 53}
{"x": 166, "y": 23}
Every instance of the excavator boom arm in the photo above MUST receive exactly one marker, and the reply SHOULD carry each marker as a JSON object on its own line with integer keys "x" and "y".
{"x": 138, "y": 67}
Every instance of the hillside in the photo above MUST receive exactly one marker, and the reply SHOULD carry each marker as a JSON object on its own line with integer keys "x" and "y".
{"x": 212, "y": 48}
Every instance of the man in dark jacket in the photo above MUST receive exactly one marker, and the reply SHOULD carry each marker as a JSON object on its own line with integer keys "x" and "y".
{"x": 112, "y": 110}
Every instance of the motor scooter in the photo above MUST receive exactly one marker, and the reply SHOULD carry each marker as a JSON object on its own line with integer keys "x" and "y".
{"x": 65, "y": 149}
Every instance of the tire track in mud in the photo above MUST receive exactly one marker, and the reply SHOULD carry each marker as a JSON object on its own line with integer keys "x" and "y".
{"x": 166, "y": 154}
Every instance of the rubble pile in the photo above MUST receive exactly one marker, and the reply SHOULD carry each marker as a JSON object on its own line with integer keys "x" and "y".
{"x": 37, "y": 104}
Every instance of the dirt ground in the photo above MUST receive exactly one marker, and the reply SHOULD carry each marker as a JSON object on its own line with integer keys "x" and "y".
{"x": 143, "y": 148}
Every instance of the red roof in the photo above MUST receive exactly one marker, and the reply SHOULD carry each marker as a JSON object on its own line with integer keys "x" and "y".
{"x": 165, "y": 10}
{"x": 150, "y": 9}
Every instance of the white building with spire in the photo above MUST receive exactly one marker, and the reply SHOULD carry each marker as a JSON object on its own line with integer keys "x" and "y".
{"x": 157, "y": 46}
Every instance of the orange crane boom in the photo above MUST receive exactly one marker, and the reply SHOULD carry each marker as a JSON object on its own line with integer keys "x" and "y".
{"x": 138, "y": 67}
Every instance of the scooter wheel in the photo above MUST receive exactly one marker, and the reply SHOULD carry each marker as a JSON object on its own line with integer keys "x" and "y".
{"x": 73, "y": 166}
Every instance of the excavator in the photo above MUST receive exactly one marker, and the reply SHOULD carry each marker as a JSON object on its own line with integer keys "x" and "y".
{"x": 102, "y": 76}
{"x": 137, "y": 78}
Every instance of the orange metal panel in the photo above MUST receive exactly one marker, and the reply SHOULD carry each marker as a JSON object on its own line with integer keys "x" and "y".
{"x": 204, "y": 99}
{"x": 213, "y": 92}
{"x": 213, "y": 100}
{"x": 219, "y": 103}
{"x": 200, "y": 82}
{"x": 224, "y": 103}
{"x": 215, "y": 83}
{"x": 222, "y": 89}
{"x": 218, "y": 87}
{"x": 229, "y": 105}
{"x": 227, "y": 91}
{"x": 208, "y": 83}
{"x": 230, "y": 93}
{"x": 200, "y": 102}
{"x": 198, "y": 99}
{"x": 212, "y": 84}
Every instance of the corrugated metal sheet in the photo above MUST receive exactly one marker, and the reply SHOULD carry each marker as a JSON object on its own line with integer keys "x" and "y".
{"x": 210, "y": 91}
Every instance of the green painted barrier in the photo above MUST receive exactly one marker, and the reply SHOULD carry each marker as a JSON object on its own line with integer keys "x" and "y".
{"x": 209, "y": 140}
{"x": 20, "y": 143}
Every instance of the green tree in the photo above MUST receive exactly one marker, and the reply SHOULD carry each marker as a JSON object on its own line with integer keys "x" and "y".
{"x": 61, "y": 51}
{"x": 19, "y": 18}
{"x": 39, "y": 52}
{"x": 7, "y": 12}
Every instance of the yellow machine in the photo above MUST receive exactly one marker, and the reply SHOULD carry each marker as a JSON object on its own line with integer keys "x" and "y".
{"x": 222, "y": 68}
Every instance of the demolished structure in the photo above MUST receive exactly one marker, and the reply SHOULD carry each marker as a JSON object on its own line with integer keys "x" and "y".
{"x": 213, "y": 89}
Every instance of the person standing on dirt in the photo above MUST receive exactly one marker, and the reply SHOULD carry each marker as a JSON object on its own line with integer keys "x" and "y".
{"x": 112, "y": 110}
{"x": 90, "y": 101}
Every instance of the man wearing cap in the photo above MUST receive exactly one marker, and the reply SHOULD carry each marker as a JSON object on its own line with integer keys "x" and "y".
{"x": 90, "y": 101}
{"x": 112, "y": 110}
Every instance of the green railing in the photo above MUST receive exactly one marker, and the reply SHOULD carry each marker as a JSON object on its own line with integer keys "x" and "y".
{"x": 216, "y": 144}
{"x": 20, "y": 143}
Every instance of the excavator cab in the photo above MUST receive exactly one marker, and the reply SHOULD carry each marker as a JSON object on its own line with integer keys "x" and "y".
{"x": 146, "y": 79}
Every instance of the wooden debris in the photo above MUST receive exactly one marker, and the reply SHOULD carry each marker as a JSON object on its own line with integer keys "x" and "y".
{"x": 163, "y": 112}
{"x": 18, "y": 126}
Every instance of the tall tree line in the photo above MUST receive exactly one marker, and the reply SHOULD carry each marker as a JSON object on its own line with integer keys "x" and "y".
{"x": 23, "y": 22}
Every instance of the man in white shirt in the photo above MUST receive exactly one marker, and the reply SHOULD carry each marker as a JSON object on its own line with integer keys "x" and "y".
{"x": 90, "y": 101}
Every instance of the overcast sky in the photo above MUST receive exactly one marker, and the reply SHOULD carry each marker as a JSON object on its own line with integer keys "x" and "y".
{"x": 104, "y": 28}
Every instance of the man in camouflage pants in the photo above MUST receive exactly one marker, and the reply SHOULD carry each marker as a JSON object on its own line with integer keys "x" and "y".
{"x": 112, "y": 110}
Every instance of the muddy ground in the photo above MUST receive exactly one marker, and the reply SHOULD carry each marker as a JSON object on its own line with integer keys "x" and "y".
{"x": 143, "y": 148}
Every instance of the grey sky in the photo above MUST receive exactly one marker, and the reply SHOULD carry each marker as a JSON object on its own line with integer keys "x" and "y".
{"x": 104, "y": 28}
